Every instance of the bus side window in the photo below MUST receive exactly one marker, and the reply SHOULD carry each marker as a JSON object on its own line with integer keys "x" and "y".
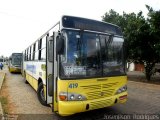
{"x": 25, "y": 55}
{"x": 39, "y": 48}
{"x": 43, "y": 53}
{"x": 36, "y": 51}
{"x": 28, "y": 54}
{"x": 42, "y": 49}
{"x": 33, "y": 54}
{"x": 50, "y": 49}
{"x": 44, "y": 42}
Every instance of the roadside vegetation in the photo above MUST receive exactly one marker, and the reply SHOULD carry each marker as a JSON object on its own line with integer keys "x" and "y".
{"x": 4, "y": 103}
{"x": 142, "y": 36}
{"x": 4, "y": 98}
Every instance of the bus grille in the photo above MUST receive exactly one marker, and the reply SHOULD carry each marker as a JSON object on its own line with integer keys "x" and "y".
{"x": 99, "y": 91}
{"x": 101, "y": 104}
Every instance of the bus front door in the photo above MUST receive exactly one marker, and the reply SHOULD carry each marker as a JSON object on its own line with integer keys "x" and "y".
{"x": 51, "y": 82}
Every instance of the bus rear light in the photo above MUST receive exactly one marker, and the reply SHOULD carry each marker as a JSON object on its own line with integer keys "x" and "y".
{"x": 123, "y": 97}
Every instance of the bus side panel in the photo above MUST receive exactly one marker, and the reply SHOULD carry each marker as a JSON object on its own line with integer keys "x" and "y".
{"x": 34, "y": 83}
{"x": 29, "y": 78}
{"x": 35, "y": 73}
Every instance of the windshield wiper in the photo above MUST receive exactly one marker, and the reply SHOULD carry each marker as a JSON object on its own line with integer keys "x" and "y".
{"x": 79, "y": 46}
{"x": 109, "y": 41}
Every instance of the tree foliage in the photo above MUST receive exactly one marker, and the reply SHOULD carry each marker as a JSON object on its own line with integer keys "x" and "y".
{"x": 142, "y": 36}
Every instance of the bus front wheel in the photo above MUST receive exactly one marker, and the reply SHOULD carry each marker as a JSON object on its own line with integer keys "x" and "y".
{"x": 40, "y": 94}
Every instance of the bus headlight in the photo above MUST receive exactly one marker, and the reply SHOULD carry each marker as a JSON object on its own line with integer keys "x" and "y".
{"x": 122, "y": 89}
{"x": 72, "y": 97}
{"x": 80, "y": 97}
{"x": 64, "y": 96}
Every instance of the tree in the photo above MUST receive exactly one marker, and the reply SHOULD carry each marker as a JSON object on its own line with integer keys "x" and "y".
{"x": 115, "y": 18}
{"x": 142, "y": 36}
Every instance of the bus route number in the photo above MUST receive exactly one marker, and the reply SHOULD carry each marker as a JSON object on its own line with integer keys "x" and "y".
{"x": 73, "y": 85}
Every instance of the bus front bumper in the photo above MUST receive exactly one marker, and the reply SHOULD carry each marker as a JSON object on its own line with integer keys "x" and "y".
{"x": 66, "y": 108}
{"x": 15, "y": 70}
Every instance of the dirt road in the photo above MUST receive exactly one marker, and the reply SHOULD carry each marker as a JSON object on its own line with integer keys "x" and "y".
{"x": 143, "y": 99}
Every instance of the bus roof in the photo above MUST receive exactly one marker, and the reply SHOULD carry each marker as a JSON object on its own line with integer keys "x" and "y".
{"x": 89, "y": 24}
{"x": 16, "y": 53}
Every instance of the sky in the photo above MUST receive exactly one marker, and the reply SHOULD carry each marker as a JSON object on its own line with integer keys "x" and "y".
{"x": 23, "y": 21}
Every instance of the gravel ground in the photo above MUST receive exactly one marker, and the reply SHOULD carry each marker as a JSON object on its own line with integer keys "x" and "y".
{"x": 140, "y": 77}
{"x": 143, "y": 99}
{"x": 24, "y": 97}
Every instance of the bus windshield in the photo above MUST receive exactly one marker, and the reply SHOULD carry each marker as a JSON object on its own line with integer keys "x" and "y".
{"x": 1, "y": 60}
{"x": 89, "y": 54}
{"x": 16, "y": 59}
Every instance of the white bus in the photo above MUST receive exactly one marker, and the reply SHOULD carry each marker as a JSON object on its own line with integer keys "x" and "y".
{"x": 77, "y": 65}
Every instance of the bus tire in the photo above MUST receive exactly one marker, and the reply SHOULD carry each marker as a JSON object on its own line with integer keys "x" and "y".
{"x": 26, "y": 81}
{"x": 40, "y": 94}
{"x": 25, "y": 78}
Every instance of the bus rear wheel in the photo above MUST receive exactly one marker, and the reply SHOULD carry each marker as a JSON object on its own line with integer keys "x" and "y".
{"x": 25, "y": 78}
{"x": 40, "y": 94}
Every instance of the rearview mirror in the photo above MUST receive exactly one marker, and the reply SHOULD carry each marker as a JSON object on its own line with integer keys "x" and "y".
{"x": 59, "y": 44}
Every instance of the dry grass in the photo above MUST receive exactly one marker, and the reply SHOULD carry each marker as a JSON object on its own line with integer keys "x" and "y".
{"x": 7, "y": 106}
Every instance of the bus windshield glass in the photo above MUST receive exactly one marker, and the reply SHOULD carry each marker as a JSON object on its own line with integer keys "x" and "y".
{"x": 90, "y": 54}
{"x": 16, "y": 59}
{"x": 1, "y": 60}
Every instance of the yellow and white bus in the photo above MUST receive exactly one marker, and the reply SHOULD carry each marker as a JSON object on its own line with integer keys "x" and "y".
{"x": 78, "y": 65}
{"x": 15, "y": 62}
